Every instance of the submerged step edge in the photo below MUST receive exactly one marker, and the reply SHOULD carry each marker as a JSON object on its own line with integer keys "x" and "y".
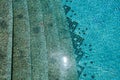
{"x": 61, "y": 60}
{"x": 38, "y": 50}
{"x": 21, "y": 42}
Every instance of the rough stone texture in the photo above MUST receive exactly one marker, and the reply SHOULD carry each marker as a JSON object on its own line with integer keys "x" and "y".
{"x": 5, "y": 39}
{"x": 21, "y": 42}
{"x": 61, "y": 63}
{"x": 38, "y": 50}
{"x": 94, "y": 27}
{"x": 40, "y": 45}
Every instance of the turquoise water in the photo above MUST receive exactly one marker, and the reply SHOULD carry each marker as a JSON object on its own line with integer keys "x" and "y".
{"x": 37, "y": 44}
{"x": 96, "y": 23}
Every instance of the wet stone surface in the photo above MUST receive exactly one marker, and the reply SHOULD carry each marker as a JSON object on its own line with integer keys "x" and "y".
{"x": 5, "y": 39}
{"x": 3, "y": 24}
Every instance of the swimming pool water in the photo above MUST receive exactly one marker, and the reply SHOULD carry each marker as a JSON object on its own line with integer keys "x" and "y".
{"x": 97, "y": 25}
{"x": 40, "y": 40}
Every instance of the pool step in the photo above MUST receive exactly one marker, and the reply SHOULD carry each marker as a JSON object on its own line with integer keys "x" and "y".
{"x": 61, "y": 62}
{"x": 35, "y": 41}
{"x": 21, "y": 42}
{"x": 38, "y": 50}
{"x": 6, "y": 27}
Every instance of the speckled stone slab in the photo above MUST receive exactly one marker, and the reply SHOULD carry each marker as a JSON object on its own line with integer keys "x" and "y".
{"x": 38, "y": 43}
{"x": 61, "y": 62}
{"x": 5, "y": 39}
{"x": 21, "y": 42}
{"x": 40, "y": 49}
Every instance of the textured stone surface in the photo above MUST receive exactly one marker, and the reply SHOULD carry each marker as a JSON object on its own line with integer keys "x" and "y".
{"x": 21, "y": 42}
{"x": 5, "y": 39}
{"x": 38, "y": 50}
{"x": 42, "y": 45}
{"x": 94, "y": 27}
{"x": 61, "y": 62}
